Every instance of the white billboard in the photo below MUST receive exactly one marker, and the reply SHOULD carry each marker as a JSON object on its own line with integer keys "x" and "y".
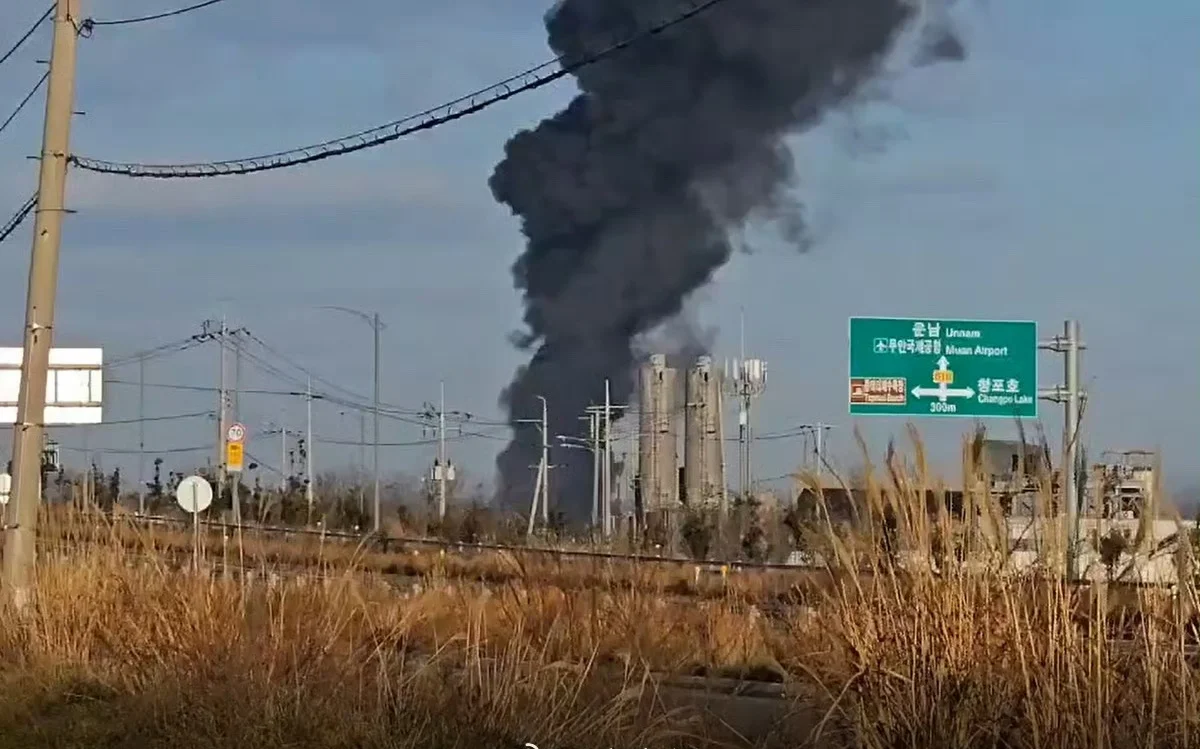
{"x": 73, "y": 390}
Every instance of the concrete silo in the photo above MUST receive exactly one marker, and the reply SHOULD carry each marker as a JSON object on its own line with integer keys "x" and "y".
{"x": 658, "y": 457}
{"x": 703, "y": 462}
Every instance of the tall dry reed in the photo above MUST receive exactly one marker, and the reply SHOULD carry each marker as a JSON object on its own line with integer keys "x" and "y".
{"x": 902, "y": 640}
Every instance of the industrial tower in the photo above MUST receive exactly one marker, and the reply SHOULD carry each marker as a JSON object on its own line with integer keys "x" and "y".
{"x": 658, "y": 456}
{"x": 745, "y": 379}
{"x": 703, "y": 456}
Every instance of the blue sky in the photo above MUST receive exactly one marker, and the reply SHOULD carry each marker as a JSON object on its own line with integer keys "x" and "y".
{"x": 1052, "y": 174}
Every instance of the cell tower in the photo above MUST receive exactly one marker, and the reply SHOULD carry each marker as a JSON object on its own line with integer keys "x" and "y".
{"x": 745, "y": 379}
{"x": 658, "y": 436}
{"x": 703, "y": 460}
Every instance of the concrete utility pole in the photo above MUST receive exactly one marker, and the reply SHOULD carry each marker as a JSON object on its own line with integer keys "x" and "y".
{"x": 606, "y": 510}
{"x": 1071, "y": 395}
{"x": 237, "y": 379}
{"x": 308, "y": 452}
{"x": 818, "y": 431}
{"x": 376, "y": 516}
{"x": 442, "y": 472}
{"x": 283, "y": 458}
{"x": 362, "y": 461}
{"x": 541, "y": 487}
{"x": 21, "y": 522}
{"x": 142, "y": 436}
{"x": 594, "y": 443}
{"x": 222, "y": 413}
{"x": 236, "y": 402}
{"x": 600, "y": 443}
{"x": 443, "y": 469}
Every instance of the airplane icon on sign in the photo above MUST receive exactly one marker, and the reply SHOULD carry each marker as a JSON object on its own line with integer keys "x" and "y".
{"x": 881, "y": 345}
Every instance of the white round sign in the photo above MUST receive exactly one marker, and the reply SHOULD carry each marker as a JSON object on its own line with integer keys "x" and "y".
{"x": 194, "y": 494}
{"x": 236, "y": 433}
{"x": 5, "y": 488}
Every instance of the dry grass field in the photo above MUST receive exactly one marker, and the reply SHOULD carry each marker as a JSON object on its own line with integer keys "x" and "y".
{"x": 126, "y": 648}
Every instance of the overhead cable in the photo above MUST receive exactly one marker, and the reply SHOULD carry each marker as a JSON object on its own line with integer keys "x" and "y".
{"x": 165, "y": 349}
{"x": 469, "y": 104}
{"x": 25, "y": 37}
{"x": 11, "y": 225}
{"x": 263, "y": 463}
{"x": 91, "y": 22}
{"x": 204, "y": 388}
{"x": 112, "y": 451}
{"x": 171, "y": 417}
{"x": 25, "y": 101}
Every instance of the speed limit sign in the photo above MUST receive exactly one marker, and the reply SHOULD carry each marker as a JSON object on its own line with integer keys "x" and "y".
{"x": 236, "y": 433}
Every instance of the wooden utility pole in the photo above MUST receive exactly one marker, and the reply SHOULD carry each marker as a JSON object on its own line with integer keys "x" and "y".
{"x": 21, "y": 521}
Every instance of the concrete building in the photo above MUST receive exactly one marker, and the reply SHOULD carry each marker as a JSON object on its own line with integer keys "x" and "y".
{"x": 1122, "y": 486}
{"x": 1015, "y": 471}
{"x": 703, "y": 456}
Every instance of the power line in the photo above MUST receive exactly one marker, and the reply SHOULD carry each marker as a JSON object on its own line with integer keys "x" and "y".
{"x": 203, "y": 388}
{"x": 307, "y": 372}
{"x": 273, "y": 371}
{"x": 165, "y": 349}
{"x": 350, "y": 400}
{"x": 25, "y": 37}
{"x": 172, "y": 417}
{"x": 89, "y": 23}
{"x": 358, "y": 443}
{"x": 263, "y": 463}
{"x": 18, "y": 217}
{"x": 460, "y": 437}
{"x": 114, "y": 451}
{"x": 469, "y": 104}
{"x": 25, "y": 101}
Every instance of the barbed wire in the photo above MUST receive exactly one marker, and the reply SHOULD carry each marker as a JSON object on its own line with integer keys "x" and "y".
{"x": 25, "y": 37}
{"x": 527, "y": 80}
{"x": 24, "y": 101}
{"x": 18, "y": 217}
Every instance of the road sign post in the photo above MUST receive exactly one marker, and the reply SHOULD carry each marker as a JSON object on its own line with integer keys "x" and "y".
{"x": 194, "y": 495}
{"x": 939, "y": 367}
{"x": 235, "y": 456}
{"x": 235, "y": 460}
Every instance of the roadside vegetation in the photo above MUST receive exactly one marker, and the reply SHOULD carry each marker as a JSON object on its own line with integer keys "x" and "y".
{"x": 913, "y": 633}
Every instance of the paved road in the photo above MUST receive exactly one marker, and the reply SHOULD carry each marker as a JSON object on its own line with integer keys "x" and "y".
{"x": 741, "y": 713}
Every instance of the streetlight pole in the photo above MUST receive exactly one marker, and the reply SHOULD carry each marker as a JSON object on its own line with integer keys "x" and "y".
{"x": 376, "y": 326}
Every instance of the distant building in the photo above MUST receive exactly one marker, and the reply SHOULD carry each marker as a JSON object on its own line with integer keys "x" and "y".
{"x": 1015, "y": 471}
{"x": 1122, "y": 486}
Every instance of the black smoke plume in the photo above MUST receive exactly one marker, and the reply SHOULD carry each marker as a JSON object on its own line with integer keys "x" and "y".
{"x": 627, "y": 197}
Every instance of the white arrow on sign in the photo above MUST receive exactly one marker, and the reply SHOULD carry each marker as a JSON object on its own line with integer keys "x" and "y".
{"x": 943, "y": 364}
{"x": 942, "y": 393}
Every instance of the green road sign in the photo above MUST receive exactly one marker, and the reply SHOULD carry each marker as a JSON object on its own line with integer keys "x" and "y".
{"x": 929, "y": 367}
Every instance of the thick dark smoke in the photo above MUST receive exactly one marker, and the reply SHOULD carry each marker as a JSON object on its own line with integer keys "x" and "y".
{"x": 627, "y": 197}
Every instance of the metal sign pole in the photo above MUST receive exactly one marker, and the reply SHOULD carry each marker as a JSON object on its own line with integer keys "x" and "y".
{"x": 196, "y": 529}
{"x": 1070, "y": 394}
